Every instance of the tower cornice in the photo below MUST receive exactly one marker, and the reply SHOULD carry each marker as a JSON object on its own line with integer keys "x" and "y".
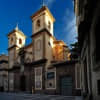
{"x": 43, "y": 30}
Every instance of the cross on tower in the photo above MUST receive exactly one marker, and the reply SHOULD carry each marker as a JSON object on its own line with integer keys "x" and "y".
{"x": 16, "y": 28}
{"x": 43, "y": 4}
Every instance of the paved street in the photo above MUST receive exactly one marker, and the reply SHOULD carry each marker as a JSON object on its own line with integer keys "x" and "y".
{"x": 15, "y": 96}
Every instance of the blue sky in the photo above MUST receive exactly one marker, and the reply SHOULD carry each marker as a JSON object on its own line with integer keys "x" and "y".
{"x": 19, "y": 11}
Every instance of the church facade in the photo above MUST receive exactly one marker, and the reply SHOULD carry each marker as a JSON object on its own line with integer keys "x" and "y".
{"x": 36, "y": 67}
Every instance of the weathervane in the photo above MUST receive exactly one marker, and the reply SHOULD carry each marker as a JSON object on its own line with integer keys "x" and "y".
{"x": 16, "y": 26}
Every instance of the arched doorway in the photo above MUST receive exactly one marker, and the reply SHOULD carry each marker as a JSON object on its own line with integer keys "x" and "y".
{"x": 22, "y": 83}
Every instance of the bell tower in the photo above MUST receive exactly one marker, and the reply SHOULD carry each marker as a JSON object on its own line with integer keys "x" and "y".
{"x": 42, "y": 19}
{"x": 42, "y": 33}
{"x": 16, "y": 40}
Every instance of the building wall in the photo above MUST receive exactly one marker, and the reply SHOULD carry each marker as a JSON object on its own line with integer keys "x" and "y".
{"x": 28, "y": 54}
{"x": 48, "y": 19}
{"x": 3, "y": 73}
{"x": 3, "y": 81}
{"x": 65, "y": 70}
{"x": 12, "y": 40}
{"x": 48, "y": 47}
{"x": 38, "y": 47}
{"x": 11, "y": 58}
{"x": 6, "y": 81}
{"x": 11, "y": 82}
{"x": 88, "y": 51}
{"x": 18, "y": 82}
{"x": 94, "y": 64}
{"x": 58, "y": 52}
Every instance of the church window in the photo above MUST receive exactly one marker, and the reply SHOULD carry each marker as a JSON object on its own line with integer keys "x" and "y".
{"x": 49, "y": 44}
{"x": 49, "y": 25}
{"x": 38, "y": 23}
{"x": 20, "y": 41}
{"x": 11, "y": 39}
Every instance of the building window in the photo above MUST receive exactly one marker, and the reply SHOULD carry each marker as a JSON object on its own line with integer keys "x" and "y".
{"x": 49, "y": 25}
{"x": 38, "y": 45}
{"x": 98, "y": 87}
{"x": 20, "y": 41}
{"x": 38, "y": 23}
{"x": 49, "y": 44}
{"x": 11, "y": 40}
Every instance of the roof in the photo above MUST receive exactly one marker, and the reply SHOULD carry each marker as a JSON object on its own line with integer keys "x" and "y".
{"x": 13, "y": 47}
{"x": 28, "y": 46}
{"x": 37, "y": 62}
{"x": 16, "y": 30}
{"x": 3, "y": 57}
{"x": 44, "y": 8}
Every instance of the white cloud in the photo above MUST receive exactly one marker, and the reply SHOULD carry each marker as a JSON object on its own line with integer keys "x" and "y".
{"x": 49, "y": 3}
{"x": 70, "y": 26}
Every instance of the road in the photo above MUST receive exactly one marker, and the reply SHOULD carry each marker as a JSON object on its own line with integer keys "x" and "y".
{"x": 22, "y": 96}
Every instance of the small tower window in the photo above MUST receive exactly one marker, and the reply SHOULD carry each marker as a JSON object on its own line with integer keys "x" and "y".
{"x": 38, "y": 23}
{"x": 11, "y": 40}
{"x": 49, "y": 25}
{"x": 49, "y": 44}
{"x": 20, "y": 41}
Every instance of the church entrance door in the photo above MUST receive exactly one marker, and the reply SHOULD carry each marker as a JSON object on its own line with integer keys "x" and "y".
{"x": 23, "y": 83}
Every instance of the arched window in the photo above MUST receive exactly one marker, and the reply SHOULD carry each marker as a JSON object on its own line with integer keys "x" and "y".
{"x": 20, "y": 41}
{"x": 11, "y": 40}
{"x": 49, "y": 25}
{"x": 38, "y": 23}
